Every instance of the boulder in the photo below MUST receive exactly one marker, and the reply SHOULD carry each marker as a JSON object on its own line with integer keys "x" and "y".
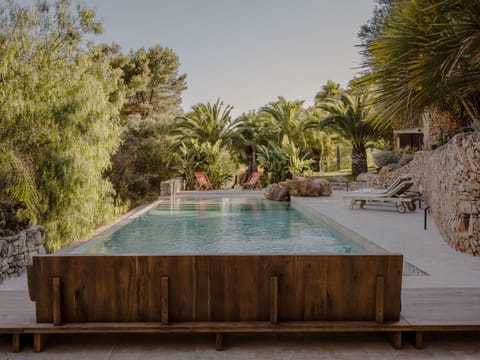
{"x": 325, "y": 187}
{"x": 303, "y": 188}
{"x": 276, "y": 192}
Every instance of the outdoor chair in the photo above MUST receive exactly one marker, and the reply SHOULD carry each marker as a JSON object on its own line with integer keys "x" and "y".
{"x": 253, "y": 181}
{"x": 396, "y": 195}
{"x": 202, "y": 181}
{"x": 392, "y": 186}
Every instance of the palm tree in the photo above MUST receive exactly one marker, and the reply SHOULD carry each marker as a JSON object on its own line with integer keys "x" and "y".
{"x": 329, "y": 91}
{"x": 352, "y": 120}
{"x": 281, "y": 120}
{"x": 288, "y": 118}
{"x": 426, "y": 55}
{"x": 253, "y": 131}
{"x": 320, "y": 144}
{"x": 207, "y": 123}
{"x": 207, "y": 136}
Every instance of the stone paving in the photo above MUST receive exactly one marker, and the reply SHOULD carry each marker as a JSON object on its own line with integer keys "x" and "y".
{"x": 380, "y": 224}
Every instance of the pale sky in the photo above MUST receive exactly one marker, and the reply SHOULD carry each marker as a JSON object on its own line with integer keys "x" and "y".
{"x": 247, "y": 52}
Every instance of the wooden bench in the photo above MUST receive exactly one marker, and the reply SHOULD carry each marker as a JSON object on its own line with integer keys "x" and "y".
{"x": 215, "y": 294}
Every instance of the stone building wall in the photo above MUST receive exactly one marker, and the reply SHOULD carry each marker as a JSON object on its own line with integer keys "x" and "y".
{"x": 449, "y": 178}
{"x": 408, "y": 123}
{"x": 17, "y": 250}
{"x": 438, "y": 126}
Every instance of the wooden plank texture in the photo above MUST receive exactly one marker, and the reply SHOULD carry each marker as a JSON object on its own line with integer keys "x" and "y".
{"x": 16, "y": 311}
{"x": 16, "y": 343}
{"x": 379, "y": 303}
{"x": 220, "y": 327}
{"x": 164, "y": 300}
{"x": 132, "y": 288}
{"x": 57, "y": 301}
{"x": 454, "y": 307}
{"x": 424, "y": 310}
{"x": 274, "y": 299}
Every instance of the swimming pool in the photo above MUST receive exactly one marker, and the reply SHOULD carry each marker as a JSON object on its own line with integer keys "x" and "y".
{"x": 229, "y": 225}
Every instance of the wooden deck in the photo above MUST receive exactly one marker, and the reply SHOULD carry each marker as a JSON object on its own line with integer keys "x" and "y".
{"x": 423, "y": 310}
{"x": 17, "y": 313}
{"x": 441, "y": 310}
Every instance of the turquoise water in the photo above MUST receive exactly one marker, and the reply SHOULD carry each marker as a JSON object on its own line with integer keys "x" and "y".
{"x": 225, "y": 226}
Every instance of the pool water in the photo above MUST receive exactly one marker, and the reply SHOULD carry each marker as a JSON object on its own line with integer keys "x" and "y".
{"x": 225, "y": 226}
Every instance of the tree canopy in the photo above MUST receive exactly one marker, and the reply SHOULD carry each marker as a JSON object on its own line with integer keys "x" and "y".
{"x": 152, "y": 81}
{"x": 426, "y": 54}
{"x": 153, "y": 88}
{"x": 58, "y": 116}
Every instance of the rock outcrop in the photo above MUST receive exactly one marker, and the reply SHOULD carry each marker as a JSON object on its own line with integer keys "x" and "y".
{"x": 325, "y": 187}
{"x": 276, "y": 192}
{"x": 303, "y": 187}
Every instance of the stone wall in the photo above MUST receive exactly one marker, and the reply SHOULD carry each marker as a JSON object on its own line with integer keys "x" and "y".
{"x": 16, "y": 251}
{"x": 438, "y": 126}
{"x": 449, "y": 178}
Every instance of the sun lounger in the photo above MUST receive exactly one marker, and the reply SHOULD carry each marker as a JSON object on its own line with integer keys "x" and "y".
{"x": 203, "y": 182}
{"x": 396, "y": 195}
{"x": 396, "y": 182}
{"x": 253, "y": 181}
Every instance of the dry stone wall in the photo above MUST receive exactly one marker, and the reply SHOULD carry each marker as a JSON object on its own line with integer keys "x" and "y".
{"x": 16, "y": 251}
{"x": 438, "y": 127}
{"x": 449, "y": 178}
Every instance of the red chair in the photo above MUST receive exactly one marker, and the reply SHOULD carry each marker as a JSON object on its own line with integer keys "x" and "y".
{"x": 203, "y": 182}
{"x": 253, "y": 182}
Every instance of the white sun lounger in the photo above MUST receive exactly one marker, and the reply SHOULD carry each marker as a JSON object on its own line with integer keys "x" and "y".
{"x": 395, "y": 195}
{"x": 397, "y": 181}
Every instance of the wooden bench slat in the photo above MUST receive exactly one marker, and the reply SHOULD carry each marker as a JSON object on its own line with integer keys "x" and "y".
{"x": 213, "y": 327}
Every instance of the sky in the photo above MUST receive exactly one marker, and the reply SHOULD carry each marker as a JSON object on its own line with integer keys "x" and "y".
{"x": 246, "y": 52}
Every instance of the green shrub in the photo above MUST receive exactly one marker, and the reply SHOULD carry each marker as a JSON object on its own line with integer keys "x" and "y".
{"x": 11, "y": 220}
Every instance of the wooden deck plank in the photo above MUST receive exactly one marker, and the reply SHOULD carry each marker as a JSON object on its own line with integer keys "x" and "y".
{"x": 452, "y": 308}
{"x": 217, "y": 327}
{"x": 422, "y": 310}
{"x": 16, "y": 311}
